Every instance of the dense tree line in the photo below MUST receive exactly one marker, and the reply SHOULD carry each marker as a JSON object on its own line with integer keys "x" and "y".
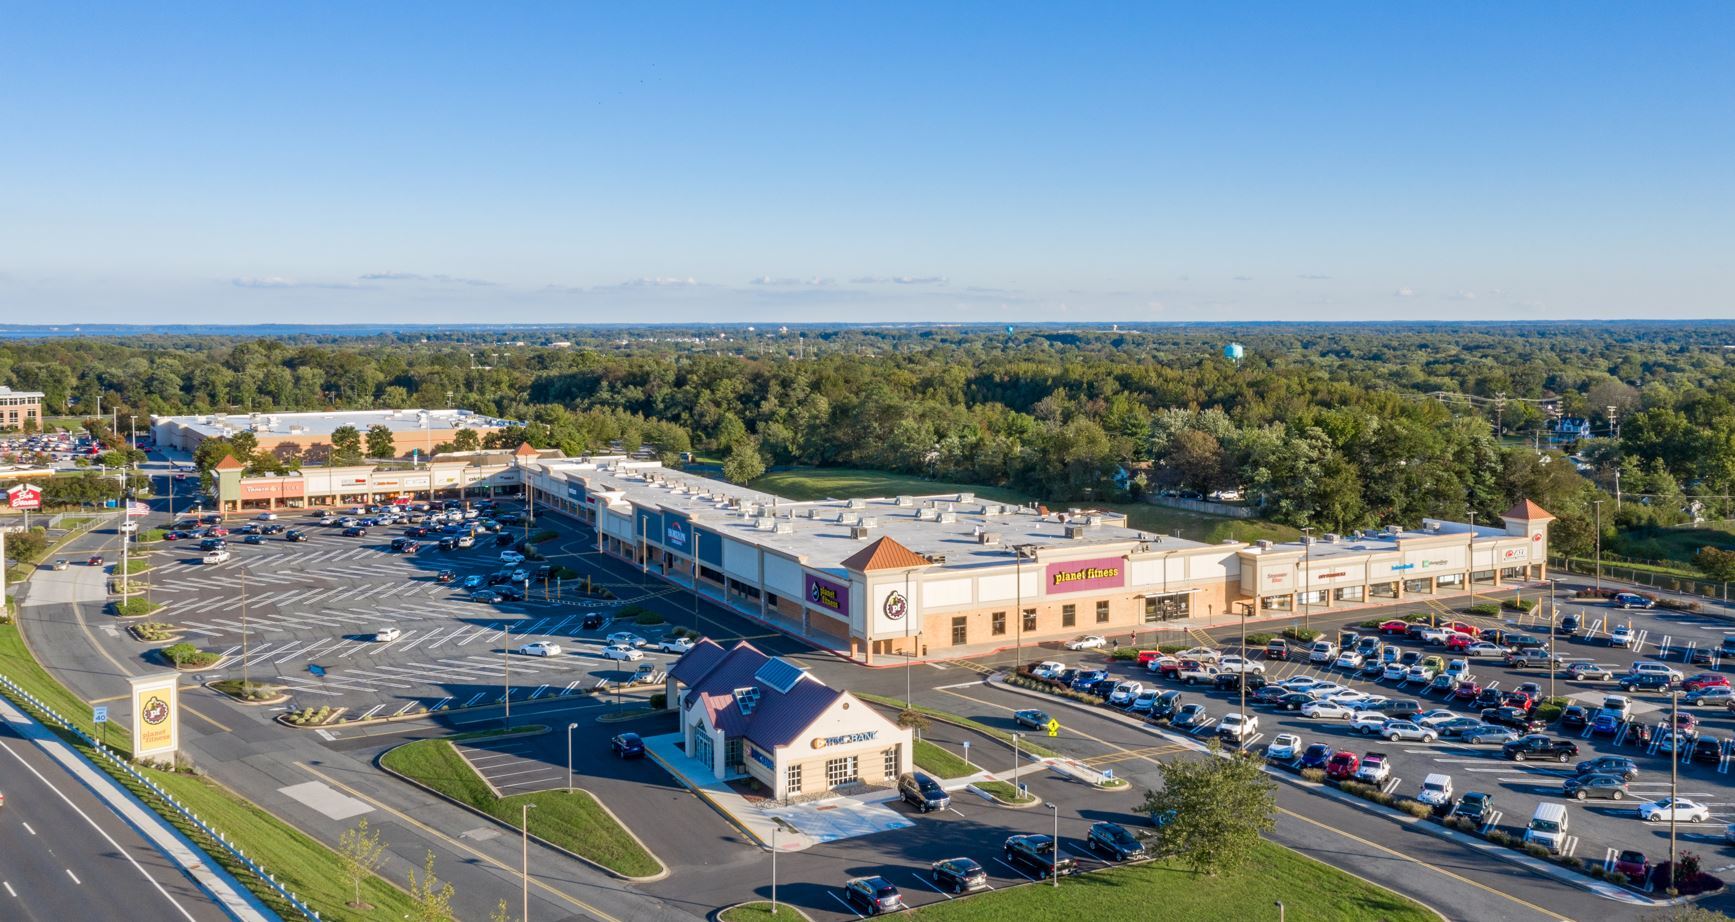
{"x": 1330, "y": 426}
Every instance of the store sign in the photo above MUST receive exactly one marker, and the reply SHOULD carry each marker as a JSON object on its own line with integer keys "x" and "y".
{"x": 1084, "y": 575}
{"x": 761, "y": 758}
{"x": 1335, "y": 574}
{"x": 1515, "y": 553}
{"x": 676, "y": 532}
{"x": 827, "y": 595}
{"x": 156, "y": 714}
{"x": 823, "y": 742}
{"x": 896, "y": 606}
{"x": 1427, "y": 564}
{"x": 24, "y": 496}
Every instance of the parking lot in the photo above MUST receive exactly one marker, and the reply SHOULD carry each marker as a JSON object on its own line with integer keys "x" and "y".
{"x": 310, "y": 611}
{"x": 1597, "y": 828}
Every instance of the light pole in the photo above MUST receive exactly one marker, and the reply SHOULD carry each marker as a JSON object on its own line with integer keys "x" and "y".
{"x": 1279, "y": 911}
{"x": 1674, "y": 774}
{"x": 1307, "y": 573}
{"x": 1015, "y": 738}
{"x": 1598, "y": 504}
{"x": 569, "y": 728}
{"x": 909, "y": 646}
{"x": 774, "y": 870}
{"x": 1470, "y": 562}
{"x": 506, "y": 676}
{"x": 1243, "y": 676}
{"x": 1054, "y": 852}
{"x": 524, "y": 825}
{"x": 1553, "y": 629}
{"x": 1018, "y": 551}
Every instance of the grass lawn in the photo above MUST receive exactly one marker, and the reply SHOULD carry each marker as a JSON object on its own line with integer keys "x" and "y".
{"x": 760, "y": 912}
{"x": 897, "y": 704}
{"x": 1156, "y": 892}
{"x": 1678, "y": 543}
{"x": 847, "y": 483}
{"x": 304, "y": 865}
{"x": 575, "y": 822}
{"x": 1005, "y": 791}
{"x": 940, "y": 762}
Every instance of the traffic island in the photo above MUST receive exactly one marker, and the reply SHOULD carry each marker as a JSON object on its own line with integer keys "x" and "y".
{"x": 135, "y": 607}
{"x": 1004, "y": 794}
{"x": 309, "y": 718}
{"x": 760, "y": 911}
{"x": 186, "y": 657}
{"x": 248, "y": 692}
{"x": 575, "y": 822}
{"x": 153, "y": 632}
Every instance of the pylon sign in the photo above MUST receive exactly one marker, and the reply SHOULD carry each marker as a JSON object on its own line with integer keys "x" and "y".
{"x": 24, "y": 496}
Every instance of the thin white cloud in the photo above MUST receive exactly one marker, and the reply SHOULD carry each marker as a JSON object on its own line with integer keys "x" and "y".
{"x": 390, "y": 277}
{"x": 814, "y": 282}
{"x": 661, "y": 281}
{"x": 1404, "y": 293}
{"x": 899, "y": 280}
{"x": 280, "y": 282}
{"x": 1463, "y": 295}
{"x": 1313, "y": 276}
{"x": 1243, "y": 278}
{"x": 437, "y": 279}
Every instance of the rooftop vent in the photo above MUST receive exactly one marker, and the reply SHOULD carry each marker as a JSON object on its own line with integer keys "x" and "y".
{"x": 1332, "y": 538}
{"x": 906, "y": 501}
{"x": 1075, "y": 531}
{"x": 948, "y": 517}
{"x": 765, "y": 523}
{"x": 860, "y": 532}
{"x": 783, "y": 528}
{"x": 927, "y": 515}
{"x": 868, "y": 521}
{"x": 1434, "y": 527}
{"x": 988, "y": 537}
{"x": 1263, "y": 544}
{"x": 858, "y": 504}
{"x": 1307, "y": 539}
{"x": 966, "y": 497}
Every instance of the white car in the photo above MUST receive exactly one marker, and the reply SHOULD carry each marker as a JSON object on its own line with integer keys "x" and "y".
{"x": 511, "y": 557}
{"x": 1368, "y": 722}
{"x": 540, "y": 648}
{"x": 1048, "y": 670}
{"x": 621, "y": 652}
{"x": 1241, "y": 664}
{"x": 1682, "y": 810}
{"x": 1125, "y": 692}
{"x": 1087, "y": 642}
{"x": 217, "y": 556}
{"x": 1458, "y": 669}
{"x": 675, "y": 645}
{"x": 1419, "y": 673}
{"x": 266, "y": 517}
{"x": 1408, "y": 731}
{"x": 1433, "y": 635}
{"x": 1326, "y": 689}
{"x": 1202, "y": 654}
{"x": 387, "y": 634}
{"x": 1348, "y": 697}
{"x": 1236, "y": 727}
{"x": 1300, "y": 683}
{"x": 1621, "y": 637}
{"x": 1373, "y": 769}
{"x": 1329, "y": 710}
{"x": 1284, "y": 747}
{"x": 1348, "y": 661}
{"x": 1394, "y": 672}
{"x": 624, "y": 639}
{"x": 1436, "y": 717}
{"x": 1155, "y": 665}
{"x": 1436, "y": 790}
{"x": 1483, "y": 648}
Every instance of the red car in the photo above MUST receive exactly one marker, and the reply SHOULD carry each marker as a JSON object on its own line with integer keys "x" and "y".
{"x": 1634, "y": 865}
{"x": 1517, "y": 699}
{"x": 1687, "y": 724}
{"x": 1459, "y": 642}
{"x": 219, "y": 532}
{"x": 1463, "y": 628}
{"x": 1466, "y": 691}
{"x": 95, "y": 560}
{"x": 1394, "y": 626}
{"x": 1704, "y": 680}
{"x": 1342, "y": 765}
{"x": 1145, "y": 656}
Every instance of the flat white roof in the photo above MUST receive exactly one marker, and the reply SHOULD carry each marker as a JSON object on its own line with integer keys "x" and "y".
{"x": 9, "y": 392}
{"x": 408, "y": 420}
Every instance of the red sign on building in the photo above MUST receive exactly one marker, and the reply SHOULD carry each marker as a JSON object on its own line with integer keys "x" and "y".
{"x": 24, "y": 496}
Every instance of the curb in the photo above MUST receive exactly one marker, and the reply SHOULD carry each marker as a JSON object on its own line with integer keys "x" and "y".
{"x": 379, "y": 763}
{"x": 700, "y": 793}
{"x": 279, "y": 699}
{"x": 716, "y": 915}
{"x": 1034, "y": 801}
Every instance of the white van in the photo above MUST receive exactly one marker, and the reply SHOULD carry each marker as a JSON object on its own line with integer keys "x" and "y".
{"x": 1547, "y": 826}
{"x": 1436, "y": 791}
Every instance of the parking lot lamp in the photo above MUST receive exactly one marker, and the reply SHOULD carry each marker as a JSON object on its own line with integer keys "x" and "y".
{"x": 1054, "y": 855}
{"x": 569, "y": 728}
{"x": 1243, "y": 682}
{"x": 1674, "y": 774}
{"x": 506, "y": 676}
{"x": 1279, "y": 911}
{"x": 1553, "y": 624}
{"x": 524, "y": 827}
{"x": 1598, "y": 504}
{"x": 1307, "y": 574}
{"x": 774, "y": 870}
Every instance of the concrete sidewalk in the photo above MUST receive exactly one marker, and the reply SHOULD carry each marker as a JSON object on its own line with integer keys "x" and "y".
{"x": 236, "y": 900}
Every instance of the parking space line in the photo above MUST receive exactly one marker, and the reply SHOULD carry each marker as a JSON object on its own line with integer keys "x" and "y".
{"x": 929, "y": 884}
{"x": 1013, "y": 870}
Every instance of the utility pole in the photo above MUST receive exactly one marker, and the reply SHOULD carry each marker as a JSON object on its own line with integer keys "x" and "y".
{"x": 1598, "y": 504}
{"x": 1243, "y": 677}
{"x": 244, "y": 682}
{"x": 1499, "y": 414}
{"x": 524, "y": 826}
{"x": 1553, "y": 629}
{"x": 506, "y": 676}
{"x": 1674, "y": 775}
{"x": 1307, "y": 574}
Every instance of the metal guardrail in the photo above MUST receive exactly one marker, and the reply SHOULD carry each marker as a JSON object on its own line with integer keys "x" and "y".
{"x": 165, "y": 797}
{"x": 1665, "y": 582}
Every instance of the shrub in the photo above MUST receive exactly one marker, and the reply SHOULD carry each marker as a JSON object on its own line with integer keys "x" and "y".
{"x": 303, "y": 717}
{"x": 1258, "y": 640}
{"x": 1499, "y": 837}
{"x": 659, "y": 700}
{"x": 1125, "y": 653}
{"x": 546, "y": 534}
{"x": 648, "y": 617}
{"x": 1678, "y": 604}
{"x": 185, "y": 654}
{"x": 1519, "y": 604}
{"x": 1316, "y": 775}
{"x": 564, "y": 572}
{"x": 1305, "y": 635}
{"x": 246, "y": 691}
{"x": 152, "y": 630}
{"x": 1484, "y": 608}
{"x": 1536, "y": 851}
{"x": 1370, "y": 624}
{"x": 1171, "y": 647}
{"x": 1548, "y": 713}
{"x": 135, "y": 607}
{"x": 151, "y": 534}
{"x": 1416, "y": 809}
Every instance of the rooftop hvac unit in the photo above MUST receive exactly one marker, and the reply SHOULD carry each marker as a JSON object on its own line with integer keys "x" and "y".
{"x": 783, "y": 528}
{"x": 948, "y": 517}
{"x": 1394, "y": 529}
{"x": 1075, "y": 531}
{"x": 906, "y": 501}
{"x": 860, "y": 533}
{"x": 848, "y": 518}
{"x": 765, "y": 523}
{"x": 966, "y": 497}
{"x": 988, "y": 537}
{"x": 813, "y": 512}
{"x": 1434, "y": 527}
{"x": 868, "y": 521}
{"x": 1332, "y": 538}
{"x": 1306, "y": 540}
{"x": 927, "y": 515}
{"x": 858, "y": 504}
{"x": 1263, "y": 544}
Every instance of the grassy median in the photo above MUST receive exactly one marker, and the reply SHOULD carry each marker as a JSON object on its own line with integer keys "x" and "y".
{"x": 1157, "y": 892}
{"x": 939, "y": 762}
{"x": 1025, "y": 744}
{"x": 575, "y": 822}
{"x": 761, "y": 912}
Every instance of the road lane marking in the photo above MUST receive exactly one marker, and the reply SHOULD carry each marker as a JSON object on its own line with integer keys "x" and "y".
{"x": 27, "y": 828}
{"x": 9, "y": 889}
{"x": 74, "y": 877}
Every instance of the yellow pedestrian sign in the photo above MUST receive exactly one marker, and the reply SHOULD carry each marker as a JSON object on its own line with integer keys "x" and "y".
{"x": 1053, "y": 727}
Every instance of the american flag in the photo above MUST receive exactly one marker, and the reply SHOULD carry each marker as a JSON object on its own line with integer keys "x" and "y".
{"x": 136, "y": 508}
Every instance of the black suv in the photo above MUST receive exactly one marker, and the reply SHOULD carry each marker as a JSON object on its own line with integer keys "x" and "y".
{"x": 1232, "y": 681}
{"x": 1646, "y": 681}
{"x": 1515, "y": 718}
{"x": 592, "y": 621}
{"x": 1475, "y": 806}
{"x": 1608, "y": 765}
{"x": 959, "y": 875}
{"x": 1113, "y": 840}
{"x": 1036, "y": 855}
{"x": 1167, "y": 704}
{"x": 1538, "y": 746}
{"x": 922, "y": 792}
{"x": 873, "y": 895}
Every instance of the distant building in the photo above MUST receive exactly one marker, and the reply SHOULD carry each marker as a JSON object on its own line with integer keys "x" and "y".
{"x": 20, "y": 409}
{"x": 1568, "y": 430}
{"x": 412, "y": 430}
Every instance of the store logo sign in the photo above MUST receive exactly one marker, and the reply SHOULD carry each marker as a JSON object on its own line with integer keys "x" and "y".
{"x": 896, "y": 606}
{"x": 1078, "y": 575}
{"x": 823, "y": 742}
{"x": 827, "y": 595}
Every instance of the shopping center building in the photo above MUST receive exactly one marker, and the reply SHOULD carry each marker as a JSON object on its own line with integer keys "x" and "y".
{"x": 937, "y": 576}
{"x": 412, "y": 430}
{"x": 747, "y": 714}
{"x": 455, "y": 475}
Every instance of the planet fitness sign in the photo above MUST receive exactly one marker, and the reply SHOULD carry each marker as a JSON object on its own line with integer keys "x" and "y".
{"x": 827, "y": 595}
{"x": 1082, "y": 575}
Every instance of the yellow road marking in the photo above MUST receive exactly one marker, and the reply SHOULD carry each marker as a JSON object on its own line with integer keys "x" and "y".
{"x": 454, "y": 843}
{"x": 206, "y": 719}
{"x": 113, "y": 698}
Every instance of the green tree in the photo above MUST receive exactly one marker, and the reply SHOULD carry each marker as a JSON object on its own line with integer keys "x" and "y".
{"x": 244, "y": 445}
{"x": 743, "y": 464}
{"x": 345, "y": 445}
{"x": 466, "y": 440}
{"x": 430, "y": 897}
{"x": 502, "y": 914}
{"x": 1217, "y": 809}
{"x": 362, "y": 850}
{"x": 27, "y": 546}
{"x": 379, "y": 442}
{"x": 1715, "y": 563}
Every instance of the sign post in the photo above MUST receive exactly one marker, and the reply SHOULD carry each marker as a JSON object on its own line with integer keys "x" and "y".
{"x": 1053, "y": 727}
{"x": 156, "y": 714}
{"x": 99, "y": 716}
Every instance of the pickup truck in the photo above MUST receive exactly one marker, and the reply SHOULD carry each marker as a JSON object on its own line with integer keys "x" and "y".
{"x": 1537, "y": 746}
{"x": 1195, "y": 673}
{"x": 1234, "y": 728}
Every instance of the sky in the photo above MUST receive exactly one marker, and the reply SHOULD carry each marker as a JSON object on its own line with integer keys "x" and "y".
{"x": 588, "y": 162}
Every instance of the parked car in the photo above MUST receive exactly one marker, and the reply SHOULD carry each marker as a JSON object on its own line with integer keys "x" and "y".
{"x": 1124, "y": 693}
{"x": 1237, "y": 728}
{"x": 872, "y": 895}
{"x": 1514, "y": 717}
{"x": 1374, "y": 768}
{"x": 1634, "y": 866}
{"x": 1646, "y": 681}
{"x": 958, "y": 875}
{"x": 1574, "y": 717}
{"x": 1598, "y": 787}
{"x": 1475, "y": 806}
{"x": 355, "y": 531}
{"x": 1711, "y": 696}
{"x": 1317, "y": 755}
{"x": 1631, "y": 600}
{"x": 61, "y": 564}
{"x": 1680, "y": 808}
{"x": 387, "y": 634}
{"x": 1703, "y": 681}
{"x": 1342, "y": 765}
{"x": 1087, "y": 642}
{"x": 1167, "y": 706}
{"x": 622, "y": 652}
{"x": 1620, "y": 636}
{"x": 540, "y": 648}
{"x": 1436, "y": 792}
{"x": 1482, "y": 648}
{"x": 1487, "y": 735}
{"x": 445, "y": 576}
{"x": 1708, "y": 749}
{"x": 625, "y": 639}
{"x": 1115, "y": 841}
{"x": 675, "y": 645}
{"x": 1539, "y": 746}
{"x": 1190, "y": 717}
{"x": 1277, "y": 649}
{"x": 1283, "y": 747}
{"x": 1589, "y": 672}
{"x": 1619, "y": 766}
{"x": 1036, "y": 854}
{"x": 627, "y": 746}
{"x": 1407, "y": 731}
{"x": 921, "y": 791}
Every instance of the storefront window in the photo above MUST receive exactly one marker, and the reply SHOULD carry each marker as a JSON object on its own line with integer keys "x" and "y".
{"x": 1167, "y": 607}
{"x": 1423, "y": 586}
{"x": 960, "y": 631}
{"x": 1384, "y": 590}
{"x": 1277, "y": 603}
{"x": 1068, "y": 615}
{"x": 792, "y": 780}
{"x": 997, "y": 624}
{"x": 893, "y": 760}
{"x": 1030, "y": 619}
{"x": 1102, "y": 612}
{"x": 1347, "y": 594}
{"x": 1451, "y": 581}
{"x": 841, "y": 771}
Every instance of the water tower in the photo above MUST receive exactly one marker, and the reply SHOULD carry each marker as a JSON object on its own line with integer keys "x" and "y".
{"x": 1233, "y": 352}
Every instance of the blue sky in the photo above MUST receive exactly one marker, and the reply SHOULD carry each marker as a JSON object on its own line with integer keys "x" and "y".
{"x": 602, "y": 162}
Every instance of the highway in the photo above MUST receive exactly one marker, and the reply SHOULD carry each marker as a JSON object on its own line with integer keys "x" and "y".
{"x": 65, "y": 855}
